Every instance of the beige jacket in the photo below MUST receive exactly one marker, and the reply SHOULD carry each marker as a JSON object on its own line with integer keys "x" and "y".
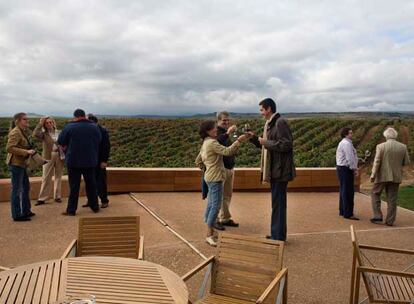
{"x": 390, "y": 158}
{"x": 17, "y": 148}
{"x": 210, "y": 158}
{"x": 47, "y": 141}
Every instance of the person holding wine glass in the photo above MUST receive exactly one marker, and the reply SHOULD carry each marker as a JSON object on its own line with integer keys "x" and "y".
{"x": 210, "y": 159}
{"x": 47, "y": 132}
{"x": 277, "y": 165}
{"x": 224, "y": 134}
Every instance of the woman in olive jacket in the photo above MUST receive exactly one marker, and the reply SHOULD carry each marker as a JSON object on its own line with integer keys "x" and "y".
{"x": 210, "y": 159}
{"x": 19, "y": 148}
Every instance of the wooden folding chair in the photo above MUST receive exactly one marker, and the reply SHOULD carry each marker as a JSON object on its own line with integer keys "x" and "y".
{"x": 245, "y": 269}
{"x": 108, "y": 236}
{"x": 382, "y": 285}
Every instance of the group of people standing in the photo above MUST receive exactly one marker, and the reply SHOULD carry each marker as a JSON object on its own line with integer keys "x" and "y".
{"x": 83, "y": 145}
{"x": 217, "y": 160}
{"x": 387, "y": 174}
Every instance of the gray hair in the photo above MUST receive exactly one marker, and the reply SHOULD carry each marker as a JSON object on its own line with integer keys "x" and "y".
{"x": 390, "y": 133}
{"x": 221, "y": 114}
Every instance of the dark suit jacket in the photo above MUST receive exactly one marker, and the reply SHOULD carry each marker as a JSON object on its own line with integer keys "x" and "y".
{"x": 280, "y": 148}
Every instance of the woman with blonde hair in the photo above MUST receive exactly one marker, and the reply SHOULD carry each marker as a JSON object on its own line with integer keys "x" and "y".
{"x": 47, "y": 132}
{"x": 19, "y": 147}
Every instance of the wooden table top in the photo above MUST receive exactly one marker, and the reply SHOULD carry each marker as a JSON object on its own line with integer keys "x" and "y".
{"x": 110, "y": 279}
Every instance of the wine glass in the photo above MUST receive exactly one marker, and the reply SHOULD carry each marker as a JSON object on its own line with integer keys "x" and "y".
{"x": 246, "y": 128}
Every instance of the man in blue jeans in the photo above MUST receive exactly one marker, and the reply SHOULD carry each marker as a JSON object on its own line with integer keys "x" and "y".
{"x": 277, "y": 166}
{"x": 81, "y": 137}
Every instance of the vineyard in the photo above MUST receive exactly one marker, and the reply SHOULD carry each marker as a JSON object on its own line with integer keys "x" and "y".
{"x": 175, "y": 142}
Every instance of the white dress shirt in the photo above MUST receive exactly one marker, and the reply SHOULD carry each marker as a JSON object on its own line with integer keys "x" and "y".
{"x": 346, "y": 154}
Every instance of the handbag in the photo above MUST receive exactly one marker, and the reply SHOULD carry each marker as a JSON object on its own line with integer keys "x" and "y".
{"x": 35, "y": 161}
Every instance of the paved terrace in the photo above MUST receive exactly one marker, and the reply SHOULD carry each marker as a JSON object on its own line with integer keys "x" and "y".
{"x": 318, "y": 251}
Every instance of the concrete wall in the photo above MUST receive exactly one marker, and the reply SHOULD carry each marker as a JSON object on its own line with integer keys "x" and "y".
{"x": 189, "y": 179}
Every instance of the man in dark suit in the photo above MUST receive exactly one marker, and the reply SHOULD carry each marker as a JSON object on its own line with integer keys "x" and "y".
{"x": 81, "y": 139}
{"x": 277, "y": 165}
{"x": 100, "y": 170}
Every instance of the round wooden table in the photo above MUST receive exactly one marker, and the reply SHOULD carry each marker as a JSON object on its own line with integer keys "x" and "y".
{"x": 110, "y": 279}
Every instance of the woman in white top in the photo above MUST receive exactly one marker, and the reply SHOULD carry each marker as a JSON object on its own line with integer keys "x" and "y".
{"x": 47, "y": 132}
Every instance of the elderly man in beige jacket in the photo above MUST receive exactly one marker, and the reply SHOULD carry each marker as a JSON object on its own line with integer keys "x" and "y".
{"x": 387, "y": 173}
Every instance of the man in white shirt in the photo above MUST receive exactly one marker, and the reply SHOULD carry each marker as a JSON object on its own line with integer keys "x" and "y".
{"x": 347, "y": 169}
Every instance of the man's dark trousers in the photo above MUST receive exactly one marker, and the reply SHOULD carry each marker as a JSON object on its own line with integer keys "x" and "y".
{"x": 278, "y": 221}
{"x": 101, "y": 185}
{"x": 74, "y": 175}
{"x": 346, "y": 191}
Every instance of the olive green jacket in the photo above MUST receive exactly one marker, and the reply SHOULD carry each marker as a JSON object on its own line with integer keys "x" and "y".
{"x": 210, "y": 158}
{"x": 390, "y": 157}
{"x": 17, "y": 148}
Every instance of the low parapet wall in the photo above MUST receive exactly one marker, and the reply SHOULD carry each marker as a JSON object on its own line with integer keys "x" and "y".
{"x": 189, "y": 179}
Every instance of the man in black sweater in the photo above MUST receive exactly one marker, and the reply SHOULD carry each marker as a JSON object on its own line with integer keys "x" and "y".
{"x": 224, "y": 133}
{"x": 100, "y": 170}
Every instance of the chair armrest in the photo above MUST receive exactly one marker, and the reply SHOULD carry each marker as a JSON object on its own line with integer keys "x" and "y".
{"x": 386, "y": 272}
{"x": 71, "y": 248}
{"x": 272, "y": 285}
{"x": 196, "y": 269}
{"x": 386, "y": 249}
{"x": 141, "y": 248}
{"x": 4, "y": 268}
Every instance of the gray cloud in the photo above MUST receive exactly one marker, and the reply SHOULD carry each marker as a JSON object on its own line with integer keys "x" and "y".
{"x": 168, "y": 57}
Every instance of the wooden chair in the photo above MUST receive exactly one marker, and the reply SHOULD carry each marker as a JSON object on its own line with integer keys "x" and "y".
{"x": 108, "y": 236}
{"x": 382, "y": 285}
{"x": 245, "y": 269}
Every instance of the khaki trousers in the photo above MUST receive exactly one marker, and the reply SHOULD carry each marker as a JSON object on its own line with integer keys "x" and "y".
{"x": 53, "y": 167}
{"x": 391, "y": 189}
{"x": 225, "y": 215}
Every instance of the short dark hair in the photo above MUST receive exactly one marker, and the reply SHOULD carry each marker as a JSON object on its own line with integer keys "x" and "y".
{"x": 345, "y": 131}
{"x": 206, "y": 126}
{"x": 93, "y": 118}
{"x": 268, "y": 102}
{"x": 79, "y": 113}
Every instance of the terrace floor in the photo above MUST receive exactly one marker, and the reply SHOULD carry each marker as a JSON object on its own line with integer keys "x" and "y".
{"x": 318, "y": 252}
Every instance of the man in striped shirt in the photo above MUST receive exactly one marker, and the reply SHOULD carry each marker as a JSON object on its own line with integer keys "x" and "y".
{"x": 347, "y": 169}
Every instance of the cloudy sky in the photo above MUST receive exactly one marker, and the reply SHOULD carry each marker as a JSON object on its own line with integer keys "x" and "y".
{"x": 175, "y": 57}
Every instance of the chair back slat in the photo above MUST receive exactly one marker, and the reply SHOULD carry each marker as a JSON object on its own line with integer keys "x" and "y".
{"x": 391, "y": 289}
{"x": 108, "y": 236}
{"x": 245, "y": 266}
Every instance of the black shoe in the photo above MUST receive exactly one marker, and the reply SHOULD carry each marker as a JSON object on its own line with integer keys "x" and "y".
{"x": 68, "y": 213}
{"x": 389, "y": 224}
{"x": 354, "y": 218}
{"x": 269, "y": 237}
{"x": 58, "y": 200}
{"x": 376, "y": 220}
{"x": 40, "y": 203}
{"x": 95, "y": 210}
{"x": 22, "y": 219}
{"x": 30, "y": 214}
{"x": 218, "y": 226}
{"x": 230, "y": 223}
{"x": 86, "y": 205}
{"x": 104, "y": 205}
